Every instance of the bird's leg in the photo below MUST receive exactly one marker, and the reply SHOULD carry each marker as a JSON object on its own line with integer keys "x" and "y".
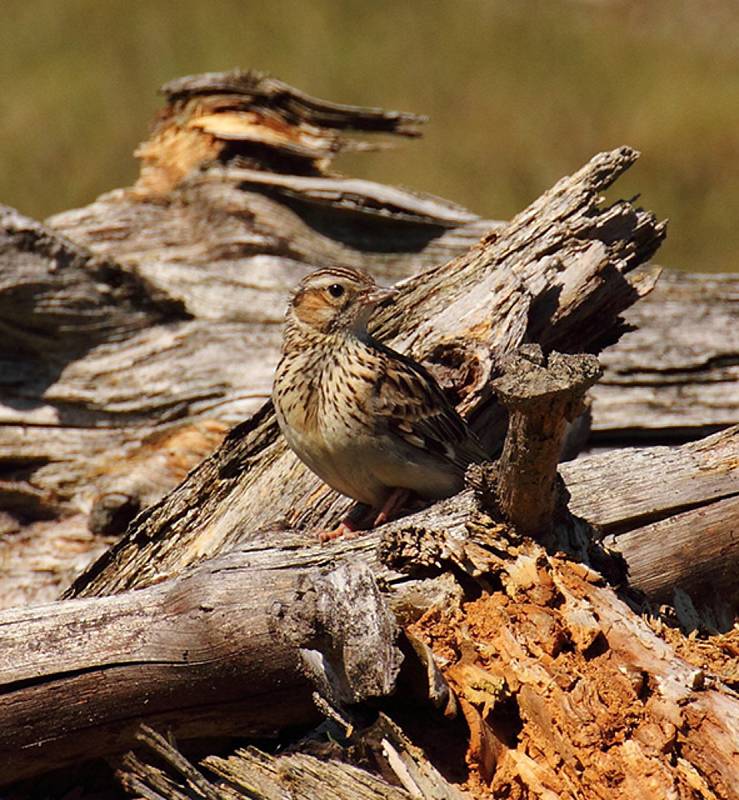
{"x": 395, "y": 501}
{"x": 362, "y": 517}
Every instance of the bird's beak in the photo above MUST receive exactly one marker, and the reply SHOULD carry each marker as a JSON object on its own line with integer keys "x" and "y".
{"x": 381, "y": 295}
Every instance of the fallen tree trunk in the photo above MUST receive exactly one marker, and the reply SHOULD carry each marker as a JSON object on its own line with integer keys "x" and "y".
{"x": 210, "y": 632}
{"x": 207, "y": 654}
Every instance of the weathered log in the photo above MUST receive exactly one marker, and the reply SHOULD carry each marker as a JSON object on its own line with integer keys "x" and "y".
{"x": 674, "y": 377}
{"x": 541, "y": 396}
{"x": 102, "y": 417}
{"x": 551, "y": 275}
{"x": 211, "y": 632}
{"x": 104, "y": 408}
{"x": 672, "y": 514}
{"x": 558, "y": 272}
{"x": 214, "y": 652}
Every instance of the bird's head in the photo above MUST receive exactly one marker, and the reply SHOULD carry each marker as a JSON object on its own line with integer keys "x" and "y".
{"x": 337, "y": 299}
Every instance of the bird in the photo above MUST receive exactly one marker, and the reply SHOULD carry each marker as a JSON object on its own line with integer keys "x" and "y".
{"x": 372, "y": 423}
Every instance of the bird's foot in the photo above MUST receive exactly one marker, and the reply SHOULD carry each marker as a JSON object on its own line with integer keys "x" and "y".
{"x": 362, "y": 517}
{"x": 341, "y": 531}
{"x": 356, "y": 520}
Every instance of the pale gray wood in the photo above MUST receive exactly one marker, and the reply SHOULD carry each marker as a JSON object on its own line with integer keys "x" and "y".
{"x": 548, "y": 275}
{"x": 695, "y": 551}
{"x": 617, "y": 490}
{"x": 135, "y": 340}
{"x": 213, "y": 652}
{"x": 107, "y": 383}
{"x": 676, "y": 375}
{"x": 557, "y": 273}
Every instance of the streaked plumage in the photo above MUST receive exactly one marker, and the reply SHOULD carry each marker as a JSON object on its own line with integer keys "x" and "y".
{"x": 365, "y": 419}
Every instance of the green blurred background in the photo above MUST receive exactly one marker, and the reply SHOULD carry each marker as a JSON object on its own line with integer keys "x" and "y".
{"x": 519, "y": 93}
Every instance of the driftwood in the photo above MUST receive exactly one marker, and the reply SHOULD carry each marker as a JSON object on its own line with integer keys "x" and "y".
{"x": 113, "y": 382}
{"x": 114, "y": 386}
{"x": 549, "y": 276}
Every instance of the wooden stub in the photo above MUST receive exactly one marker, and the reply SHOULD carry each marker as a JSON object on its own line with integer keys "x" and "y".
{"x": 542, "y": 396}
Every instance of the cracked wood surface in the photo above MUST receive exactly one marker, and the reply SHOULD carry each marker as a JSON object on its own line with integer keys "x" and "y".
{"x": 559, "y": 273}
{"x": 234, "y": 204}
{"x": 676, "y": 375}
{"x": 216, "y": 651}
{"x": 210, "y": 633}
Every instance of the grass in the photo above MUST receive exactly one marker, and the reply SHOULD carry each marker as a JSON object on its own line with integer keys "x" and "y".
{"x": 519, "y": 93}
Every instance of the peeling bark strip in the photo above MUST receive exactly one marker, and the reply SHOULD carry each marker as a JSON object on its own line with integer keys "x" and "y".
{"x": 541, "y": 396}
{"x": 559, "y": 272}
{"x": 260, "y": 120}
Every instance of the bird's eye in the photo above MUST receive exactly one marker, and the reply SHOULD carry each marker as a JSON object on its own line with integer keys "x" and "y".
{"x": 336, "y": 290}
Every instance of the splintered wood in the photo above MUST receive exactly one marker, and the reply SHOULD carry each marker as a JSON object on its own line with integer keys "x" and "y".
{"x": 602, "y": 707}
{"x": 548, "y": 275}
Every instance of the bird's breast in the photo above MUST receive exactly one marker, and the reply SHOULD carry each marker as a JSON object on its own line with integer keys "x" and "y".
{"x": 326, "y": 392}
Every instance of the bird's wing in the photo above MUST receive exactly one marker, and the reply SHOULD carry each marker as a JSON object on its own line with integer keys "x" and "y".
{"x": 412, "y": 406}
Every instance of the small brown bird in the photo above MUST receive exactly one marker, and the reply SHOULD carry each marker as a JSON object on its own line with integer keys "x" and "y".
{"x": 370, "y": 422}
